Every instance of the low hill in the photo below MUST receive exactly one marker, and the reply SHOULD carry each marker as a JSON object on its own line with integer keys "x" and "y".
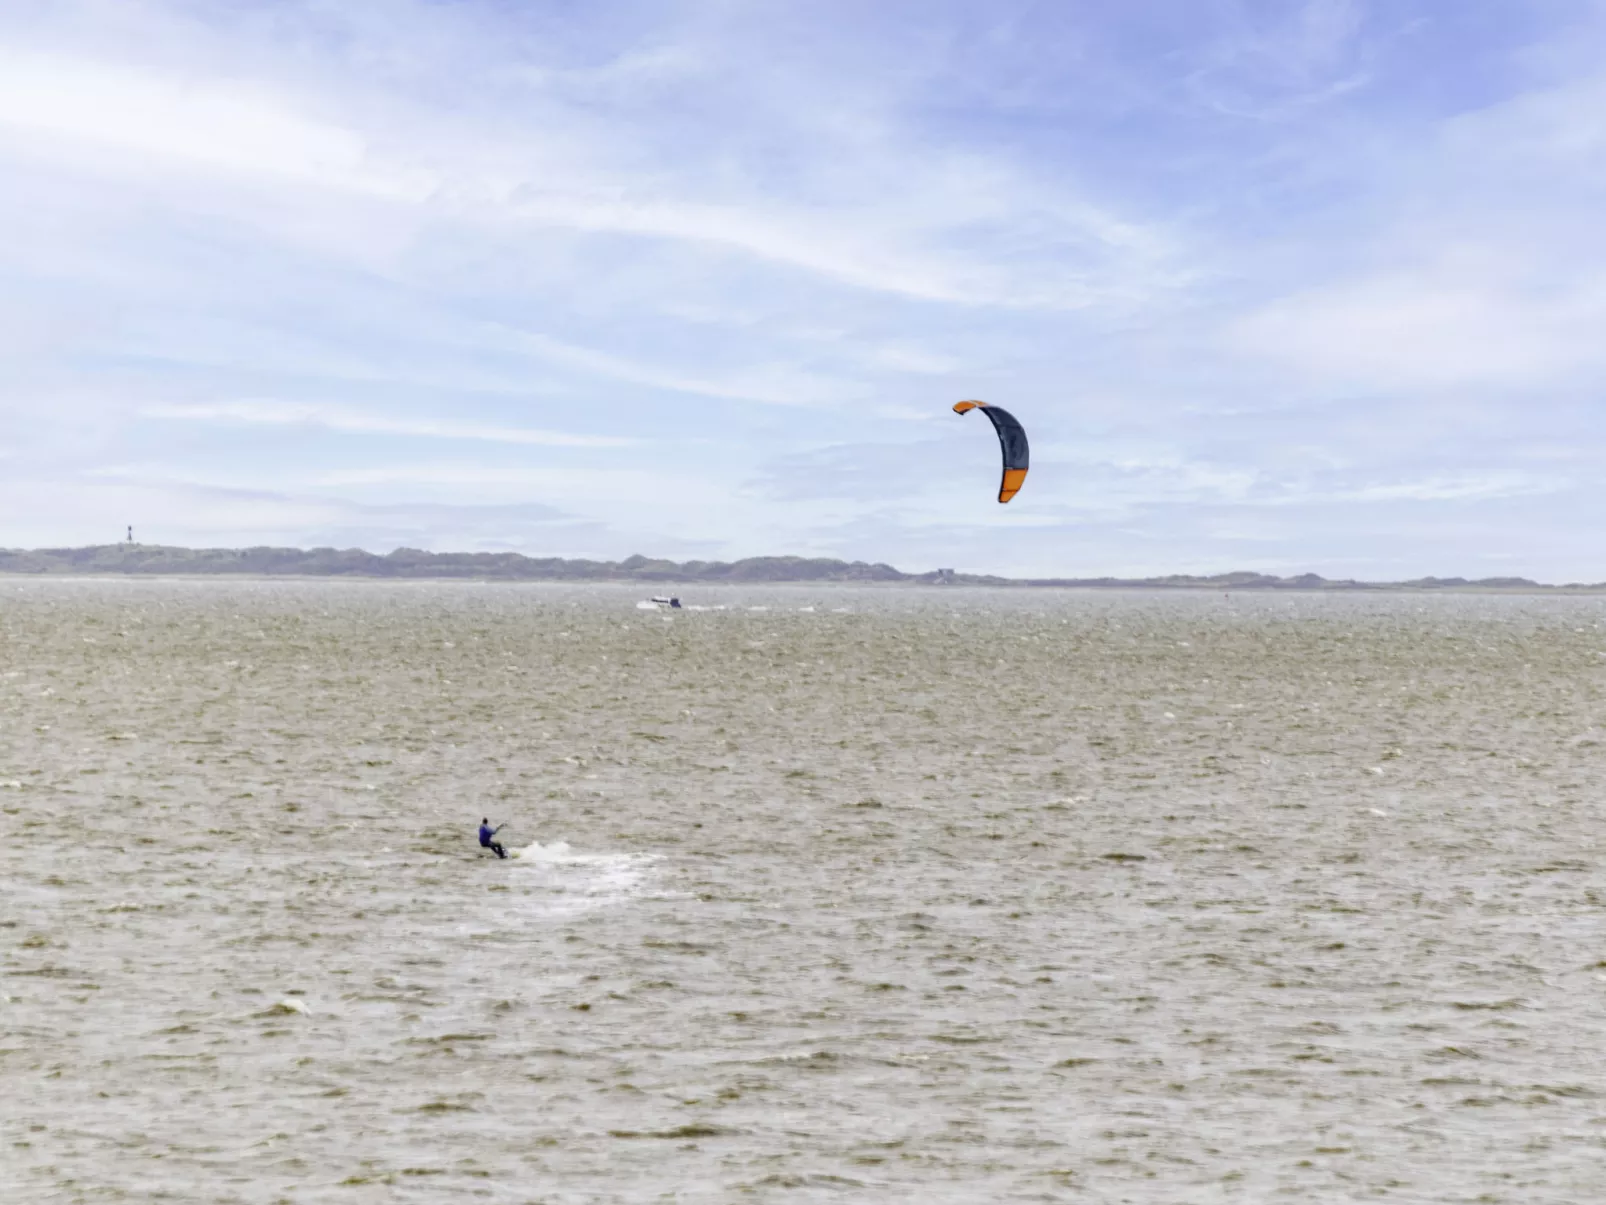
{"x": 157, "y": 559}
{"x": 148, "y": 559}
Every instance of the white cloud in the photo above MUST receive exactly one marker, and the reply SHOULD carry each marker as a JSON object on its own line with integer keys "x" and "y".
{"x": 868, "y": 206}
{"x": 875, "y": 250}
{"x": 335, "y": 418}
{"x": 205, "y": 122}
{"x": 775, "y": 384}
{"x": 1442, "y": 489}
{"x": 1478, "y": 265}
{"x": 1443, "y": 326}
{"x": 628, "y": 485}
{"x": 906, "y": 358}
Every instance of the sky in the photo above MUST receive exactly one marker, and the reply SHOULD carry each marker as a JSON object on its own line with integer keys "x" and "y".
{"x": 1275, "y": 285}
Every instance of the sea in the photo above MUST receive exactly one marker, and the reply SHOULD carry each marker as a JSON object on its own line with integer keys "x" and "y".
{"x": 815, "y": 894}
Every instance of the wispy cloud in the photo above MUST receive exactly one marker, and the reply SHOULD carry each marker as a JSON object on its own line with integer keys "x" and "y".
{"x": 1435, "y": 329}
{"x": 334, "y": 418}
{"x": 777, "y": 384}
{"x": 208, "y": 123}
{"x": 1270, "y": 63}
{"x": 204, "y": 121}
{"x": 1443, "y": 489}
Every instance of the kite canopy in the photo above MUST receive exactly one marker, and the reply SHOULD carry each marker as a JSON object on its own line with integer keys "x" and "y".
{"x": 1011, "y": 441}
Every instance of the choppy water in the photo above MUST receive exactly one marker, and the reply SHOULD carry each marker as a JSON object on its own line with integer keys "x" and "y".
{"x": 884, "y": 895}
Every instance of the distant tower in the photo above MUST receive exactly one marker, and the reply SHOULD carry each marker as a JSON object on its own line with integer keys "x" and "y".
{"x": 130, "y": 533}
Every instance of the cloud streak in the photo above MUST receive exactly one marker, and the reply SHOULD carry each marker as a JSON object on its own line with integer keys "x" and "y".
{"x": 334, "y": 418}
{"x": 122, "y": 116}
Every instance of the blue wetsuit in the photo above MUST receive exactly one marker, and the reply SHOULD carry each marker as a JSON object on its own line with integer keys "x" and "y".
{"x": 486, "y": 833}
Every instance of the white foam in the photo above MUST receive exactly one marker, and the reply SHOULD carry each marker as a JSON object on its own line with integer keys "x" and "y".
{"x": 536, "y": 852}
{"x": 561, "y": 853}
{"x": 583, "y": 882}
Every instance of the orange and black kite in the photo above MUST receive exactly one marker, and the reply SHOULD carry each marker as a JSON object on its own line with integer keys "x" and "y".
{"x": 1011, "y": 441}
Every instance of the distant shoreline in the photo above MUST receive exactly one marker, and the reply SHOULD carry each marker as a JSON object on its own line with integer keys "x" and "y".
{"x": 411, "y": 564}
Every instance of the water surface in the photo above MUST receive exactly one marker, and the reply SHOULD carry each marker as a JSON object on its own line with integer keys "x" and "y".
{"x": 826, "y": 894}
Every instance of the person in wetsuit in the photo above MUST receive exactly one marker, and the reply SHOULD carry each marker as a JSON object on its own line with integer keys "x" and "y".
{"x": 486, "y": 835}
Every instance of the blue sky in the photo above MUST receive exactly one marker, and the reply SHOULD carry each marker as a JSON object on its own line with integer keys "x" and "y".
{"x": 1281, "y": 286}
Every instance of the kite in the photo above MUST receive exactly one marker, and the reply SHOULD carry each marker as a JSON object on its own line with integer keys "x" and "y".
{"x": 1011, "y": 441}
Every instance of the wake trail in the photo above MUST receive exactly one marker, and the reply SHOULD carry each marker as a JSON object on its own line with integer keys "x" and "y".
{"x": 570, "y": 882}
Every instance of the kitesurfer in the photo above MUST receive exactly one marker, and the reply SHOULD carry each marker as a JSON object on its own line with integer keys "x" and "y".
{"x": 486, "y": 835}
